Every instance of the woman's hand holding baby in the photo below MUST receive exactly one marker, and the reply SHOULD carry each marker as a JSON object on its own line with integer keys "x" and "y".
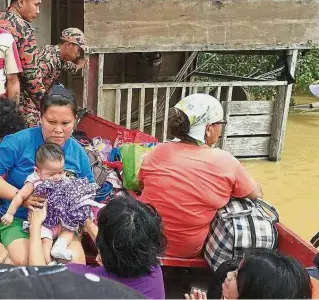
{"x": 33, "y": 202}
{"x": 38, "y": 215}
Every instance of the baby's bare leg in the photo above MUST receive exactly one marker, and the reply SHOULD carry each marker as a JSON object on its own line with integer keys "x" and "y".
{"x": 67, "y": 235}
{"x": 47, "y": 246}
{"x": 59, "y": 249}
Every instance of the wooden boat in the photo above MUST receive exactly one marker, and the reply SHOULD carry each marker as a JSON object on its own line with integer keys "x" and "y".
{"x": 181, "y": 274}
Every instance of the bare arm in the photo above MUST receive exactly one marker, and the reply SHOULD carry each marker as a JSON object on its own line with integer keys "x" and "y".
{"x": 257, "y": 193}
{"x": 22, "y": 195}
{"x": 91, "y": 229}
{"x": 12, "y": 68}
{"x": 36, "y": 254}
{"x": 7, "y": 191}
{"x": 13, "y": 87}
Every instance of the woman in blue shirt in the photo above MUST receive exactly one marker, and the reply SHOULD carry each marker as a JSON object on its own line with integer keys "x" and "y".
{"x": 17, "y": 155}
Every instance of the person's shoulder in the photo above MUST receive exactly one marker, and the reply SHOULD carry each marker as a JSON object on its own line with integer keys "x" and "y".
{"x": 48, "y": 55}
{"x": 223, "y": 155}
{"x": 24, "y": 134}
{"x": 16, "y": 20}
{"x": 22, "y": 24}
{"x": 21, "y": 139}
{"x": 47, "y": 51}
{"x": 44, "y": 49}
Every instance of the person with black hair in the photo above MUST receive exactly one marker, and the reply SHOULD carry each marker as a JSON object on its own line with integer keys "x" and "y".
{"x": 69, "y": 201}
{"x": 17, "y": 160}
{"x": 129, "y": 238}
{"x": 261, "y": 274}
{"x": 188, "y": 180}
{"x": 268, "y": 274}
{"x": 11, "y": 120}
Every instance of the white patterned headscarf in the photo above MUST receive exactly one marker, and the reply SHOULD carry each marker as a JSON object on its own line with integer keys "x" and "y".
{"x": 201, "y": 110}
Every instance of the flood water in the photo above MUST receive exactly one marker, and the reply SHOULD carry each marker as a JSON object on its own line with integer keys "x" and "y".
{"x": 292, "y": 184}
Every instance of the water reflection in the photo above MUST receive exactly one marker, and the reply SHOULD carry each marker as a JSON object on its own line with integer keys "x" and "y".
{"x": 292, "y": 184}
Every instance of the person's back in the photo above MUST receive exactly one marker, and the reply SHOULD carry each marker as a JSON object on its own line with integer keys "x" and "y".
{"x": 10, "y": 66}
{"x": 17, "y": 20}
{"x": 188, "y": 181}
{"x": 188, "y": 184}
{"x": 129, "y": 241}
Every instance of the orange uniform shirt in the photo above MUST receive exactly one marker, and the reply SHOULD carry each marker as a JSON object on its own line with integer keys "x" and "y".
{"x": 187, "y": 184}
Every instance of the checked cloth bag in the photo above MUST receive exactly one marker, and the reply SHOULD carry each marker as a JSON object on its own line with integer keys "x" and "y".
{"x": 241, "y": 225}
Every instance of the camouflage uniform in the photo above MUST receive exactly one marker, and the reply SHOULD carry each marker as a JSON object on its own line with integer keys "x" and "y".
{"x": 32, "y": 88}
{"x": 50, "y": 61}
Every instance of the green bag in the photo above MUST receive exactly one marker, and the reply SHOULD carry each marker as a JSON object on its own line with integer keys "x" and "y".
{"x": 132, "y": 157}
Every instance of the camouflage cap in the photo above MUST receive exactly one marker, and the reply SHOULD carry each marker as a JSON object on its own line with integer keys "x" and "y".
{"x": 75, "y": 36}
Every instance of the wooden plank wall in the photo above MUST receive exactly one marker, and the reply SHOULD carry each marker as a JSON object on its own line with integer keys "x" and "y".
{"x": 249, "y": 128}
{"x": 180, "y": 25}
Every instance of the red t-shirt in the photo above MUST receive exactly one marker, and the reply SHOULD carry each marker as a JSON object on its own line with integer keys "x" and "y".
{"x": 187, "y": 184}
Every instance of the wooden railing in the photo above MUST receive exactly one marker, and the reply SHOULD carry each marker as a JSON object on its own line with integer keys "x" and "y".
{"x": 254, "y": 129}
{"x": 186, "y": 88}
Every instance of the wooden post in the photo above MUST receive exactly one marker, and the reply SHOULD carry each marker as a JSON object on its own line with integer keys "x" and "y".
{"x": 86, "y": 80}
{"x": 281, "y": 110}
{"x": 129, "y": 108}
{"x": 166, "y": 109}
{"x": 218, "y": 93}
{"x": 141, "y": 115}
{"x": 91, "y": 81}
{"x": 100, "y": 106}
{"x": 69, "y": 24}
{"x": 154, "y": 111}
{"x": 226, "y": 113}
{"x": 117, "y": 117}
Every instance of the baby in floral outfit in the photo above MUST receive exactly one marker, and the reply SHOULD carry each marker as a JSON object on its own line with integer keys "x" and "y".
{"x": 69, "y": 201}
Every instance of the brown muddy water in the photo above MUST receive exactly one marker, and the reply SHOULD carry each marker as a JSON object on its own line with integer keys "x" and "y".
{"x": 292, "y": 184}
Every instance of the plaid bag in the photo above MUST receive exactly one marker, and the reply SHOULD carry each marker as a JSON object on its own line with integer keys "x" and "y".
{"x": 240, "y": 225}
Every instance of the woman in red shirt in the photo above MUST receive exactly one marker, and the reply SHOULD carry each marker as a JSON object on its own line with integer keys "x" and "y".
{"x": 187, "y": 180}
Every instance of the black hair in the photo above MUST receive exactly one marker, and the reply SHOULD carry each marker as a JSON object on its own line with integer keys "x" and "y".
{"x": 59, "y": 96}
{"x": 48, "y": 152}
{"x": 11, "y": 119}
{"x": 267, "y": 274}
{"x": 215, "y": 290}
{"x": 178, "y": 123}
{"x": 130, "y": 237}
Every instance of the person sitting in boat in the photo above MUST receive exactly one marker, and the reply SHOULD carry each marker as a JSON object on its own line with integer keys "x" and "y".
{"x": 69, "y": 201}
{"x": 129, "y": 239}
{"x": 264, "y": 274}
{"x": 11, "y": 121}
{"x": 187, "y": 180}
{"x": 17, "y": 160}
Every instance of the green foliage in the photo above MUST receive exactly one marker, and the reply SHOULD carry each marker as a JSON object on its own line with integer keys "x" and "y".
{"x": 239, "y": 65}
{"x": 256, "y": 66}
{"x": 307, "y": 70}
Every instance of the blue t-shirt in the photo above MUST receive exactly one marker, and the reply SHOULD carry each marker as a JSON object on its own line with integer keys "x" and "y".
{"x": 17, "y": 159}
